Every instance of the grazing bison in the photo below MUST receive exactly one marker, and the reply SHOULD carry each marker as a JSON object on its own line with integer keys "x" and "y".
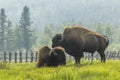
{"x": 43, "y": 56}
{"x": 51, "y": 57}
{"x": 76, "y": 40}
{"x": 57, "y": 56}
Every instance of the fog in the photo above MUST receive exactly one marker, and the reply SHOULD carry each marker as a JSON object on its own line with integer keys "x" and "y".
{"x": 57, "y": 12}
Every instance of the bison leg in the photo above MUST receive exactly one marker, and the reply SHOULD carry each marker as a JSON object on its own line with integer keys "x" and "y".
{"x": 77, "y": 59}
{"x": 40, "y": 64}
{"x": 102, "y": 55}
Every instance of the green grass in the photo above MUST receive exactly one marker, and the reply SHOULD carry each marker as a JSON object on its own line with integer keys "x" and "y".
{"x": 86, "y": 71}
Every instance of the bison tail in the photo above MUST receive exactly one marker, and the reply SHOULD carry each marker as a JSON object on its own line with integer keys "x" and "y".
{"x": 107, "y": 41}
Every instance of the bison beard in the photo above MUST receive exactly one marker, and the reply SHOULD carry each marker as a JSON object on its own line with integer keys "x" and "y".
{"x": 77, "y": 40}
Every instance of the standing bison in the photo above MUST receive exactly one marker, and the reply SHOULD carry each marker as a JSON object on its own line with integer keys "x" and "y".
{"x": 76, "y": 40}
{"x": 51, "y": 57}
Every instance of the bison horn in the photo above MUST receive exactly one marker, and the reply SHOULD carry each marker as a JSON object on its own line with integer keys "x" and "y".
{"x": 55, "y": 53}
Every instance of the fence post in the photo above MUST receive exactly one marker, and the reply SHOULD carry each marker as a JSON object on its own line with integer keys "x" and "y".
{"x": 97, "y": 56}
{"x": 119, "y": 55}
{"x": 20, "y": 56}
{"x": 109, "y": 54}
{"x": 106, "y": 54}
{"x": 31, "y": 56}
{"x": 26, "y": 56}
{"x": 36, "y": 54}
{"x": 114, "y": 55}
{"x": 89, "y": 54}
{"x": 9, "y": 56}
{"x": 84, "y": 56}
{"x": 4, "y": 56}
{"x": 15, "y": 57}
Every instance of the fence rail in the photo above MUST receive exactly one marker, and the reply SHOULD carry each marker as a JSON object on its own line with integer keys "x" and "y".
{"x": 32, "y": 56}
{"x": 110, "y": 55}
{"x": 18, "y": 57}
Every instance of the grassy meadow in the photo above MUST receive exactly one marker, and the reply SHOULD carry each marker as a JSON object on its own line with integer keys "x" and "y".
{"x": 85, "y": 71}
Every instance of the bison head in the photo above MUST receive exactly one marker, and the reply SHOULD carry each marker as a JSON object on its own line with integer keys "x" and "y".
{"x": 57, "y": 56}
{"x": 57, "y": 39}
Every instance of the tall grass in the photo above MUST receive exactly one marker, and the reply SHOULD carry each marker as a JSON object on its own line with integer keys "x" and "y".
{"x": 86, "y": 71}
{"x": 4, "y": 65}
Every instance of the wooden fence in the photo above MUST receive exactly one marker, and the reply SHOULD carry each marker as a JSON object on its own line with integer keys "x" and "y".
{"x": 110, "y": 55}
{"x": 32, "y": 56}
{"x": 18, "y": 57}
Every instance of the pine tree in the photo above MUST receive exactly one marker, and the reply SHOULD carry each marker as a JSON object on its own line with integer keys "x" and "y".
{"x": 108, "y": 32}
{"x": 9, "y": 36}
{"x": 25, "y": 24}
{"x": 2, "y": 29}
{"x": 99, "y": 28}
{"x": 18, "y": 38}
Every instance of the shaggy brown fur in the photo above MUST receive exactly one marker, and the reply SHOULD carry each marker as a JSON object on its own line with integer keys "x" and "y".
{"x": 51, "y": 57}
{"x": 43, "y": 56}
{"x": 57, "y": 56}
{"x": 76, "y": 40}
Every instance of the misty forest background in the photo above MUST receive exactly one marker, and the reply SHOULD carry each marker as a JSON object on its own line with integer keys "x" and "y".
{"x": 23, "y": 35}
